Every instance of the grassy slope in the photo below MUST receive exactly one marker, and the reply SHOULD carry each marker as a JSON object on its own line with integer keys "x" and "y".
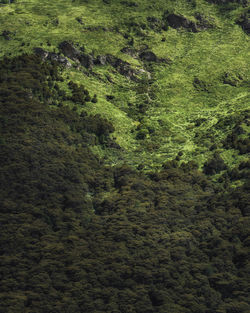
{"x": 175, "y": 104}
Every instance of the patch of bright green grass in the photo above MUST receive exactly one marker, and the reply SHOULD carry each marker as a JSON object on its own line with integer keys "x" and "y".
{"x": 175, "y": 103}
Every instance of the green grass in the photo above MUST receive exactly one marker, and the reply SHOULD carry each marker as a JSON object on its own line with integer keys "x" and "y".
{"x": 176, "y": 104}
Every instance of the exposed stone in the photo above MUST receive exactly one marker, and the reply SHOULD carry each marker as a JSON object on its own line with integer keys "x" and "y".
{"x": 45, "y": 55}
{"x": 202, "y": 22}
{"x": 156, "y": 24}
{"x": 142, "y": 72}
{"x": 86, "y": 60}
{"x": 112, "y": 60}
{"x": 130, "y": 51}
{"x": 148, "y": 56}
{"x": 122, "y": 67}
{"x": 100, "y": 60}
{"x": 60, "y": 59}
{"x": 42, "y": 53}
{"x": 69, "y": 50}
{"x": 233, "y": 80}
{"x": 244, "y": 22}
{"x": 177, "y": 21}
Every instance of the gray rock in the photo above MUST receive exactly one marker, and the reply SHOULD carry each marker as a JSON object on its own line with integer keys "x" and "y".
{"x": 148, "y": 56}
{"x": 202, "y": 22}
{"x": 177, "y": 21}
{"x": 69, "y": 50}
{"x": 142, "y": 72}
{"x": 42, "y": 53}
{"x": 60, "y": 59}
{"x": 45, "y": 55}
{"x": 155, "y": 23}
{"x": 86, "y": 60}
{"x": 122, "y": 67}
{"x": 100, "y": 60}
{"x": 244, "y": 22}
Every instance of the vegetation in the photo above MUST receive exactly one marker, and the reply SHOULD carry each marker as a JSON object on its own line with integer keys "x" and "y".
{"x": 124, "y": 150}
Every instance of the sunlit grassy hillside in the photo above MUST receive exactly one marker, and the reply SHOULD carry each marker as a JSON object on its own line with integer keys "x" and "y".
{"x": 188, "y": 101}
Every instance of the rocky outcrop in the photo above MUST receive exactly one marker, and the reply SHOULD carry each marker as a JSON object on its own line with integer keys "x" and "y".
{"x": 244, "y": 22}
{"x": 156, "y": 24}
{"x": 69, "y": 50}
{"x": 178, "y": 21}
{"x": 100, "y": 60}
{"x": 144, "y": 54}
{"x": 148, "y": 56}
{"x": 203, "y": 22}
{"x": 88, "y": 60}
{"x": 122, "y": 67}
{"x": 52, "y": 56}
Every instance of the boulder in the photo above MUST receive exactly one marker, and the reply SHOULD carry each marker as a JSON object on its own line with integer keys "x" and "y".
{"x": 60, "y": 59}
{"x": 45, "y": 55}
{"x": 100, "y": 60}
{"x": 69, "y": 50}
{"x": 202, "y": 22}
{"x": 244, "y": 22}
{"x": 112, "y": 60}
{"x": 144, "y": 73}
{"x": 156, "y": 24}
{"x": 41, "y": 53}
{"x": 122, "y": 67}
{"x": 148, "y": 56}
{"x": 86, "y": 60}
{"x": 177, "y": 21}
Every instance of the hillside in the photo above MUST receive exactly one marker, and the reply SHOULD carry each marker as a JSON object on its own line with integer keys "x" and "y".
{"x": 124, "y": 150}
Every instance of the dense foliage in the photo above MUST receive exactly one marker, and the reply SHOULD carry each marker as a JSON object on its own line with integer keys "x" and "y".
{"x": 79, "y": 236}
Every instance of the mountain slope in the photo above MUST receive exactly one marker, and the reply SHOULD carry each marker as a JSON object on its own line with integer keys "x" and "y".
{"x": 124, "y": 152}
{"x": 189, "y": 64}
